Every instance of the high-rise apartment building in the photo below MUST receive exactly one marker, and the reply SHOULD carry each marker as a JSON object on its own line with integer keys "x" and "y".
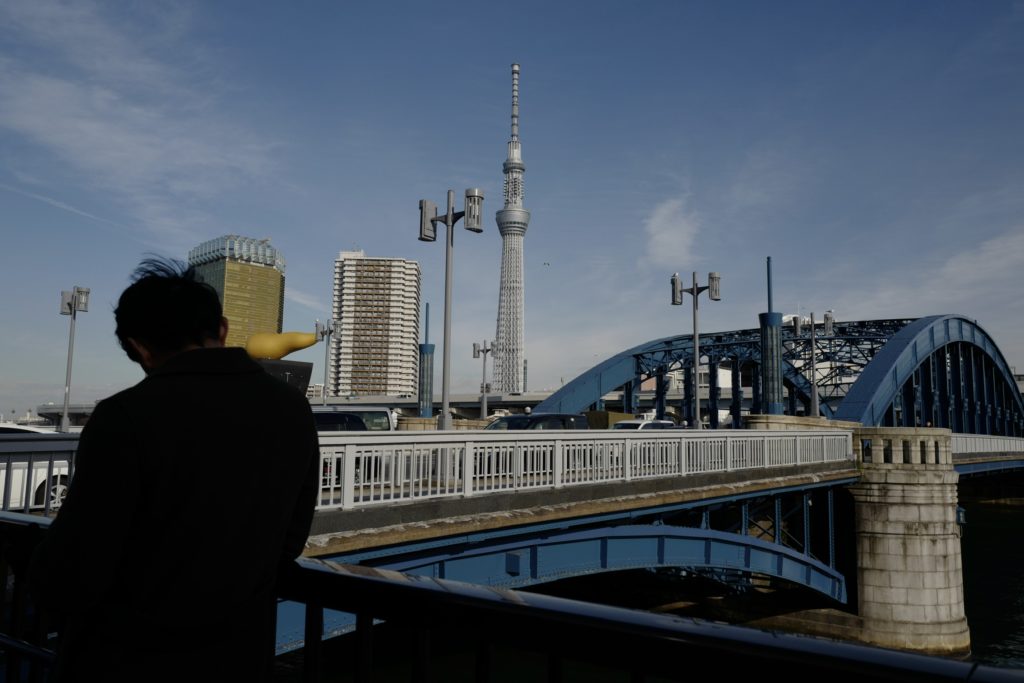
{"x": 512, "y": 223}
{"x": 375, "y": 346}
{"x": 248, "y": 275}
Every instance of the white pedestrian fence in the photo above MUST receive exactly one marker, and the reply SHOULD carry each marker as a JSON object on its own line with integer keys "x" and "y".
{"x": 363, "y": 469}
{"x": 35, "y": 470}
{"x": 981, "y": 444}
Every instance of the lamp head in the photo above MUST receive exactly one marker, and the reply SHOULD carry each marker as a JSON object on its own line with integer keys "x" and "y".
{"x": 714, "y": 286}
{"x": 677, "y": 290}
{"x": 428, "y": 211}
{"x": 474, "y": 209}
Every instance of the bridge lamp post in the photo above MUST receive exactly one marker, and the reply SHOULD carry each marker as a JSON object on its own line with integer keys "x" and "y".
{"x": 323, "y": 333}
{"x": 429, "y": 218}
{"x": 829, "y": 327}
{"x": 482, "y": 350}
{"x": 713, "y": 290}
{"x": 71, "y": 302}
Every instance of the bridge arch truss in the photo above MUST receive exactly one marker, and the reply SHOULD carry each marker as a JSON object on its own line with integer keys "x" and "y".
{"x": 941, "y": 371}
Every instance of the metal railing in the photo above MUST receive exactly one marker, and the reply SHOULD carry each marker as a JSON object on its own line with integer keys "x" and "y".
{"x": 972, "y": 444}
{"x": 457, "y": 630}
{"x": 373, "y": 468}
{"x": 365, "y": 469}
{"x": 35, "y": 470}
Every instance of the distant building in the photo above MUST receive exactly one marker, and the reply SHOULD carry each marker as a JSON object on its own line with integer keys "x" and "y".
{"x": 248, "y": 275}
{"x": 375, "y": 347}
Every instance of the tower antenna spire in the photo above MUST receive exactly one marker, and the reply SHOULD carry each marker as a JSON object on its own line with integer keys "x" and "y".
{"x": 515, "y": 101}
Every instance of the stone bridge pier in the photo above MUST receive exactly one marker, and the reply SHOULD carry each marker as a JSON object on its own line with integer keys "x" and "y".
{"x": 909, "y": 566}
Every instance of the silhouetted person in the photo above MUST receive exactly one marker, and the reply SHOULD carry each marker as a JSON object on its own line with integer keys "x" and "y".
{"x": 191, "y": 490}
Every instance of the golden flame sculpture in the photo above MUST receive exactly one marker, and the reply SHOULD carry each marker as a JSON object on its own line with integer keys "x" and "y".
{"x": 277, "y": 345}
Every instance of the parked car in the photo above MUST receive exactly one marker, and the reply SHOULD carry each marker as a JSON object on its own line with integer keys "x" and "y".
{"x": 39, "y": 476}
{"x": 644, "y": 424}
{"x": 336, "y": 421}
{"x": 540, "y": 421}
{"x": 374, "y": 418}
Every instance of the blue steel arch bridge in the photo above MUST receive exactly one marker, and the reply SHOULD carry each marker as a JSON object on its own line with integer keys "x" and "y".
{"x": 938, "y": 371}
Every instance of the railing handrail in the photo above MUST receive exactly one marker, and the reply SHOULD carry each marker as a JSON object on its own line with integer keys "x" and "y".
{"x": 485, "y": 435}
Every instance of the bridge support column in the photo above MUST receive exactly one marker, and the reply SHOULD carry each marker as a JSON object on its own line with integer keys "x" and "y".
{"x": 909, "y": 574}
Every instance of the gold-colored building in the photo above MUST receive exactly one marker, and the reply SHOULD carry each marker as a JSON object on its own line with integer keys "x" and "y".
{"x": 248, "y": 275}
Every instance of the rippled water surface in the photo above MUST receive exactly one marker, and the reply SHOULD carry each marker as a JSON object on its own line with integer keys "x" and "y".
{"x": 993, "y": 550}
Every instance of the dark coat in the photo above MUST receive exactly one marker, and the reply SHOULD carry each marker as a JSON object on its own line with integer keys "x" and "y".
{"x": 191, "y": 489}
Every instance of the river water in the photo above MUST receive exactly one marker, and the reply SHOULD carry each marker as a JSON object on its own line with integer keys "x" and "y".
{"x": 993, "y": 559}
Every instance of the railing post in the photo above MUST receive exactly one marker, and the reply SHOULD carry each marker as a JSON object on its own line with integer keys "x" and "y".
{"x": 348, "y": 477}
{"x": 797, "y": 438}
{"x": 728, "y": 454}
{"x": 557, "y": 464}
{"x": 627, "y": 460}
{"x": 682, "y": 456}
{"x": 468, "y": 467}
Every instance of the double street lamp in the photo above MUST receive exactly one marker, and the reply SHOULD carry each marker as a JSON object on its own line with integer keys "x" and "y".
{"x": 429, "y": 218}
{"x": 829, "y": 327}
{"x": 482, "y": 350}
{"x": 71, "y": 302}
{"x": 712, "y": 288}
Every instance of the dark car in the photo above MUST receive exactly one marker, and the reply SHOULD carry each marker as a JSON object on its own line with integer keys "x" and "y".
{"x": 332, "y": 421}
{"x": 541, "y": 421}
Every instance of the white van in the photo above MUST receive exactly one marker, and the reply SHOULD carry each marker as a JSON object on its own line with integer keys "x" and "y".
{"x": 644, "y": 424}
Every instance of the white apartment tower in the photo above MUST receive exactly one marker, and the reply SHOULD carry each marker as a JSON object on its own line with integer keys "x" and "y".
{"x": 375, "y": 346}
{"x": 512, "y": 223}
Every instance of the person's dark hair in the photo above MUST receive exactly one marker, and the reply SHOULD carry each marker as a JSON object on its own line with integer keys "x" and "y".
{"x": 166, "y": 308}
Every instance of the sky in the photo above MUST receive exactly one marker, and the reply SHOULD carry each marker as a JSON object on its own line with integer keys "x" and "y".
{"x": 873, "y": 150}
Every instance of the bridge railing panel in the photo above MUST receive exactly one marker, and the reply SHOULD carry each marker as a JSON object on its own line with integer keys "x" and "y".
{"x": 966, "y": 444}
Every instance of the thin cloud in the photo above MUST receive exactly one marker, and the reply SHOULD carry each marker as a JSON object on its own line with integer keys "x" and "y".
{"x": 303, "y": 299}
{"x": 671, "y": 230}
{"x": 61, "y": 205}
{"x": 134, "y": 127}
{"x": 986, "y": 276}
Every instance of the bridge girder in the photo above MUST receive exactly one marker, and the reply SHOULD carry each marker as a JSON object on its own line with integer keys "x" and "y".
{"x": 530, "y": 561}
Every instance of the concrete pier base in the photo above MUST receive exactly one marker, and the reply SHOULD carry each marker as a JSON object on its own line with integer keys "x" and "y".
{"x": 909, "y": 575}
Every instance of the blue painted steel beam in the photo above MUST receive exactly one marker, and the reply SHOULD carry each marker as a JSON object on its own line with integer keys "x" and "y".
{"x": 373, "y": 555}
{"x": 967, "y": 469}
{"x": 577, "y": 553}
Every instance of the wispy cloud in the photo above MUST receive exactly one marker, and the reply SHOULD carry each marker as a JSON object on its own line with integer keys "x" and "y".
{"x": 985, "y": 277}
{"x": 85, "y": 90}
{"x": 61, "y": 205}
{"x": 671, "y": 230}
{"x": 765, "y": 179}
{"x": 303, "y": 299}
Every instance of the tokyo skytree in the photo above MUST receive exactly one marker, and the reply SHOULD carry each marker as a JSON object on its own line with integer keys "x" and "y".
{"x": 512, "y": 223}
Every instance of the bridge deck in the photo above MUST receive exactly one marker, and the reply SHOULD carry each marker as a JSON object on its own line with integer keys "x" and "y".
{"x": 339, "y": 531}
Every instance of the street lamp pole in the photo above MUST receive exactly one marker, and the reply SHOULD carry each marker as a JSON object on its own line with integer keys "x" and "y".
{"x": 70, "y": 303}
{"x": 429, "y": 218}
{"x": 815, "y": 408}
{"x": 482, "y": 350}
{"x": 713, "y": 290}
{"x": 324, "y": 332}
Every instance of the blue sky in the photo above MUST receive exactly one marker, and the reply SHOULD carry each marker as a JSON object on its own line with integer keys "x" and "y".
{"x": 873, "y": 149}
